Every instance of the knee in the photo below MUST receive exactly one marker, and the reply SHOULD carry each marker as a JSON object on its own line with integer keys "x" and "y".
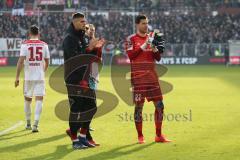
{"x": 28, "y": 99}
{"x": 139, "y": 106}
{"x": 39, "y": 98}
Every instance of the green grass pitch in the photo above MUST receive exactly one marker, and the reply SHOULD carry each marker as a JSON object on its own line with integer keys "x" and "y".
{"x": 209, "y": 96}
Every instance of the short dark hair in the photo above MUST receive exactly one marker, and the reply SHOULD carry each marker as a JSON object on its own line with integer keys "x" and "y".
{"x": 34, "y": 30}
{"x": 78, "y": 15}
{"x": 139, "y": 18}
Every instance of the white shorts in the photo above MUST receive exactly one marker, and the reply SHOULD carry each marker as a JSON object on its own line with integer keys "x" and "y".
{"x": 34, "y": 88}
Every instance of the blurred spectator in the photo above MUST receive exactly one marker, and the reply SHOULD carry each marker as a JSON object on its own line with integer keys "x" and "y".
{"x": 143, "y": 4}
{"x": 1, "y": 5}
{"x": 69, "y": 3}
{"x": 9, "y": 4}
{"x": 18, "y": 8}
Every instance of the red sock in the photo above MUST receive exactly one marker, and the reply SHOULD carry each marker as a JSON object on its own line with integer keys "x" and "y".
{"x": 138, "y": 120}
{"x": 83, "y": 131}
{"x": 73, "y": 136}
{"x": 158, "y": 118}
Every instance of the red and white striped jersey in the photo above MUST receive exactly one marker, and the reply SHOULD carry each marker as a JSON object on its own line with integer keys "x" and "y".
{"x": 34, "y": 51}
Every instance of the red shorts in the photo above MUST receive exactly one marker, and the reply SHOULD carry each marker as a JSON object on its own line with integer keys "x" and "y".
{"x": 150, "y": 91}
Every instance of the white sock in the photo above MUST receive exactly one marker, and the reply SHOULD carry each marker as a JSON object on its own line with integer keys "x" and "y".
{"x": 38, "y": 110}
{"x": 83, "y": 135}
{"x": 27, "y": 110}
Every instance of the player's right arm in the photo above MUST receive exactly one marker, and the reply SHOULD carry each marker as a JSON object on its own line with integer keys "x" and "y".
{"x": 131, "y": 49}
{"x": 20, "y": 63}
{"x": 46, "y": 58}
{"x": 69, "y": 48}
{"x": 46, "y": 64}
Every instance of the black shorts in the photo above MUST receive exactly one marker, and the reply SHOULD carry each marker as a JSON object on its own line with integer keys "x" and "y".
{"x": 82, "y": 105}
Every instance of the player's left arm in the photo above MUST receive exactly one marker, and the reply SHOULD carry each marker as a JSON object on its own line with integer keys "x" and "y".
{"x": 46, "y": 58}
{"x": 158, "y": 45}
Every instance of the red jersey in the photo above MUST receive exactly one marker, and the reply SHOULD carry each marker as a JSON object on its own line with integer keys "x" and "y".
{"x": 136, "y": 53}
{"x": 142, "y": 60}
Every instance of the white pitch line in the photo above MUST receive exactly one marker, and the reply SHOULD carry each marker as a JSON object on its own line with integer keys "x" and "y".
{"x": 11, "y": 128}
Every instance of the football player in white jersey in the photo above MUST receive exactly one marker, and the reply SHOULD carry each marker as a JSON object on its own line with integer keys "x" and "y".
{"x": 34, "y": 56}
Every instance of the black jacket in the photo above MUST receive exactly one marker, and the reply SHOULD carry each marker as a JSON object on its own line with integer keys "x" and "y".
{"x": 75, "y": 44}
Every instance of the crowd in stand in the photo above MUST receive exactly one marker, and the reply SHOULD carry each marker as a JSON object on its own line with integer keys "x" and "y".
{"x": 115, "y": 27}
{"x": 198, "y": 3}
{"x": 129, "y": 4}
{"x": 198, "y": 28}
{"x": 176, "y": 28}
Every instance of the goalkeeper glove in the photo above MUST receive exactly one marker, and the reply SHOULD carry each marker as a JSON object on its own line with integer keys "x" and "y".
{"x": 158, "y": 41}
